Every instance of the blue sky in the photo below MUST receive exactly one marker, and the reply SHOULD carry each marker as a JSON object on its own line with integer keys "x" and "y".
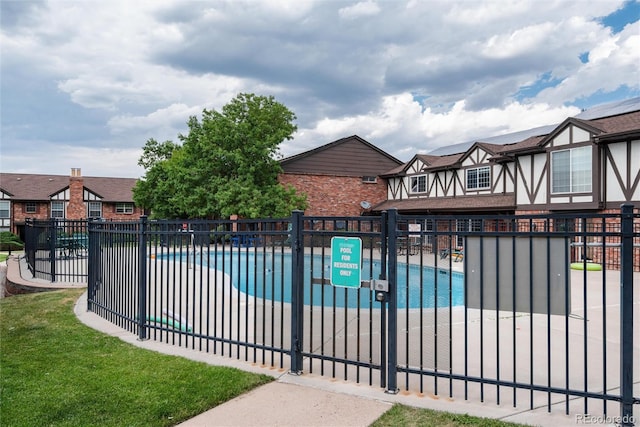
{"x": 85, "y": 84}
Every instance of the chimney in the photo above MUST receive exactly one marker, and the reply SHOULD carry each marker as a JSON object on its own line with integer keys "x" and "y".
{"x": 76, "y": 208}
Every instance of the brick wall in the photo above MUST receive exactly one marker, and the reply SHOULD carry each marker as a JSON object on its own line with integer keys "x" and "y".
{"x": 19, "y": 213}
{"x": 109, "y": 212}
{"x": 329, "y": 195}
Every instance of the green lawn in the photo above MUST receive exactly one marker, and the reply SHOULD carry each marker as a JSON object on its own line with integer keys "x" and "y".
{"x": 407, "y": 416}
{"x": 55, "y": 371}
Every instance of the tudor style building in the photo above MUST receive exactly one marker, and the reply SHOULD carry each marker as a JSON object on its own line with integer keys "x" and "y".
{"x": 36, "y": 196}
{"x": 590, "y": 162}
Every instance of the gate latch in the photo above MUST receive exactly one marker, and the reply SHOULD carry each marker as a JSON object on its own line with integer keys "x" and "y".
{"x": 379, "y": 285}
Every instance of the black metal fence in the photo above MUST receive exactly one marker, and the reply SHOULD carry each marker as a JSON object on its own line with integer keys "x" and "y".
{"x": 56, "y": 249}
{"x": 526, "y": 310}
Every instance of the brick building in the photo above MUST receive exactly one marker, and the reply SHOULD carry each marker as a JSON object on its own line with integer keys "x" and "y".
{"x": 340, "y": 178}
{"x": 56, "y": 196}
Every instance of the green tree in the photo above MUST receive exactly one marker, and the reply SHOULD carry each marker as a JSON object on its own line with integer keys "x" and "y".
{"x": 227, "y": 164}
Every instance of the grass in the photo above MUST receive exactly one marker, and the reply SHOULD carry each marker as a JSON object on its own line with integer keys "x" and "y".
{"x": 406, "y": 416}
{"x": 3, "y": 257}
{"x": 56, "y": 371}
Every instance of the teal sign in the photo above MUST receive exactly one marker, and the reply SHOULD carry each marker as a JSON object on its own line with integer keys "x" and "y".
{"x": 346, "y": 261}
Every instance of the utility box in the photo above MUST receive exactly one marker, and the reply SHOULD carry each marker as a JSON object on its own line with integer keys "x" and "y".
{"x": 536, "y": 269}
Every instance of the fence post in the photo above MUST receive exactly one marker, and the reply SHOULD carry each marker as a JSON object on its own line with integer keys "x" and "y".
{"x": 392, "y": 272}
{"x": 384, "y": 222}
{"x": 142, "y": 279}
{"x": 297, "y": 291}
{"x": 53, "y": 238}
{"x": 626, "y": 314}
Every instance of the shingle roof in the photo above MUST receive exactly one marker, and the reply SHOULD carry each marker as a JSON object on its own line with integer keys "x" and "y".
{"x": 37, "y": 187}
{"x": 464, "y": 203}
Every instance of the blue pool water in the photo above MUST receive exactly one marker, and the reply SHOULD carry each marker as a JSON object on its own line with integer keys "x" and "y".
{"x": 262, "y": 276}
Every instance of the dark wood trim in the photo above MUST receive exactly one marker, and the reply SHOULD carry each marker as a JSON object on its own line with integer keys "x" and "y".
{"x": 628, "y": 188}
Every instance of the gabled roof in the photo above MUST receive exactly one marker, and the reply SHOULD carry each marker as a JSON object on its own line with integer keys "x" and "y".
{"x": 492, "y": 149}
{"x": 36, "y": 187}
{"x": 570, "y": 121}
{"x": 350, "y": 156}
{"x": 402, "y": 169}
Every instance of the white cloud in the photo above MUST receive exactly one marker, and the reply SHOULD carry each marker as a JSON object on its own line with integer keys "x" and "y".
{"x": 125, "y": 72}
{"x": 358, "y": 10}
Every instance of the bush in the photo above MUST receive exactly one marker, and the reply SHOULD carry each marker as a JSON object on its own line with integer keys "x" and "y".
{"x": 9, "y": 241}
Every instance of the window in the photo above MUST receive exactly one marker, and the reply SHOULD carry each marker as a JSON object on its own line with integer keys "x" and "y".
{"x": 464, "y": 225}
{"x": 571, "y": 170}
{"x": 369, "y": 179}
{"x": 30, "y": 207}
{"x": 428, "y": 228}
{"x": 5, "y": 209}
{"x": 94, "y": 210}
{"x": 124, "y": 208}
{"x": 479, "y": 178}
{"x": 419, "y": 184}
{"x": 57, "y": 209}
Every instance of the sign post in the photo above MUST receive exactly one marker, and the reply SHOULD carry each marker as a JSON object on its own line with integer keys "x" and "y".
{"x": 346, "y": 261}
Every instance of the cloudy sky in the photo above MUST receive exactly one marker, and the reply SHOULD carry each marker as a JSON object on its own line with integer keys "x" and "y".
{"x": 86, "y": 83}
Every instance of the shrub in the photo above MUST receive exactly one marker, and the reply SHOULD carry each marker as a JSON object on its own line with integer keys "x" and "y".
{"x": 9, "y": 241}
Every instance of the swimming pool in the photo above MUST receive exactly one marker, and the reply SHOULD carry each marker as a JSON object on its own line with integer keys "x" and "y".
{"x": 268, "y": 276}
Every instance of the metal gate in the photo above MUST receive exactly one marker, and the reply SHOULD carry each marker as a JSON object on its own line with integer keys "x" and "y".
{"x": 341, "y": 330}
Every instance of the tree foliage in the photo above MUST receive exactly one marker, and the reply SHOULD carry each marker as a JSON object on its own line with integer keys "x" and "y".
{"x": 227, "y": 164}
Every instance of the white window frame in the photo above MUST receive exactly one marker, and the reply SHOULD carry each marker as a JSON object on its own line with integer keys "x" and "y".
{"x": 92, "y": 210}
{"x": 474, "y": 183}
{"x": 418, "y": 187}
{"x": 55, "y": 203}
{"x": 27, "y": 205}
{"x": 5, "y": 206}
{"x": 124, "y": 208}
{"x": 585, "y": 186}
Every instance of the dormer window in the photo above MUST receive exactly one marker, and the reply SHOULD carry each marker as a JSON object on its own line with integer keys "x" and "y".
{"x": 479, "y": 178}
{"x": 419, "y": 184}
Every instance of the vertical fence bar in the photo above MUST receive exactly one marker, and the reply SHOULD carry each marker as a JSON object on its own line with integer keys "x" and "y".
{"x": 91, "y": 267}
{"x": 626, "y": 314}
{"x": 142, "y": 278}
{"x": 392, "y": 361}
{"x": 297, "y": 292}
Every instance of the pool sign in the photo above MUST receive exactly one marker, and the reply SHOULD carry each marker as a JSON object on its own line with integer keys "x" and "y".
{"x": 346, "y": 261}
